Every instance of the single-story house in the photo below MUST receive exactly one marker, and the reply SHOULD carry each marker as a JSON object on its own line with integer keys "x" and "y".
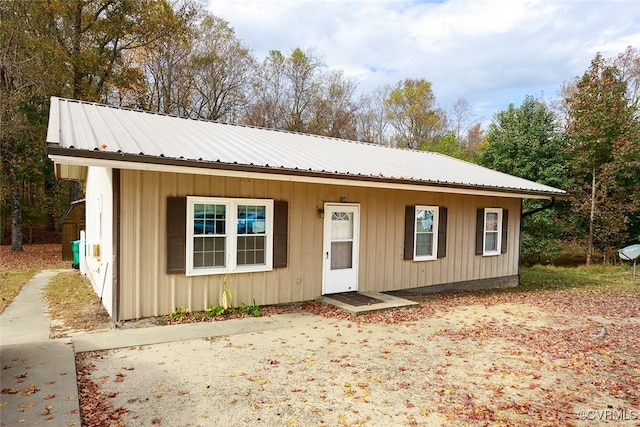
{"x": 178, "y": 207}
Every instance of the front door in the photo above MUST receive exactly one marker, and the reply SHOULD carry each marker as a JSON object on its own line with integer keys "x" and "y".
{"x": 340, "y": 255}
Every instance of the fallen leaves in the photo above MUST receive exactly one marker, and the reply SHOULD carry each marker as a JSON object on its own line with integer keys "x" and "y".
{"x": 481, "y": 358}
{"x": 95, "y": 408}
{"x": 31, "y": 389}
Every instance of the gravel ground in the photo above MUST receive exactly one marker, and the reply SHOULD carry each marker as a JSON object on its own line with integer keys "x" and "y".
{"x": 478, "y": 365}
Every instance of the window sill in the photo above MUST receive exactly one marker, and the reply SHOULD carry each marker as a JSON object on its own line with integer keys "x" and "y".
{"x": 420, "y": 259}
{"x": 237, "y": 270}
{"x": 491, "y": 254}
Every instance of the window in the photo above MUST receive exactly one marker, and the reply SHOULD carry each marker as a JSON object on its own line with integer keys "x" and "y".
{"x": 425, "y": 232}
{"x": 228, "y": 235}
{"x": 492, "y": 229}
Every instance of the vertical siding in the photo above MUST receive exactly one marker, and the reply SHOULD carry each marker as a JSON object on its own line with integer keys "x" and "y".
{"x": 146, "y": 290}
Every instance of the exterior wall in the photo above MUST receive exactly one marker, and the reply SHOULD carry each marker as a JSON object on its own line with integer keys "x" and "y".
{"x": 98, "y": 248}
{"x": 146, "y": 290}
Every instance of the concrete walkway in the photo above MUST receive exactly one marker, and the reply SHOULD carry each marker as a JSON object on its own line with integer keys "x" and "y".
{"x": 38, "y": 381}
{"x": 38, "y": 374}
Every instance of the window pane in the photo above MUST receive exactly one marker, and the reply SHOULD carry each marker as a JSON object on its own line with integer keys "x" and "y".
{"x": 424, "y": 244}
{"x": 198, "y": 244}
{"x": 341, "y": 255}
{"x": 197, "y": 260}
{"x": 341, "y": 225}
{"x": 424, "y": 220}
{"x": 252, "y": 219}
{"x": 250, "y": 250}
{"x": 208, "y": 252}
{"x": 198, "y": 226}
{"x": 209, "y": 219}
{"x": 218, "y": 259}
{"x": 208, "y": 258}
{"x": 241, "y": 259}
{"x": 491, "y": 241}
{"x": 491, "y": 221}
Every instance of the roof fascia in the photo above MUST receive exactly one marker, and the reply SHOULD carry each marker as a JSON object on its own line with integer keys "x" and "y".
{"x": 199, "y": 167}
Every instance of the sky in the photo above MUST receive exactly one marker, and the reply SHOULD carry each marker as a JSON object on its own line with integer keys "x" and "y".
{"x": 491, "y": 52}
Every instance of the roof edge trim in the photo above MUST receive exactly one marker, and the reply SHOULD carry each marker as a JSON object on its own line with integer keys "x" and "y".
{"x": 371, "y": 180}
{"x": 53, "y": 129}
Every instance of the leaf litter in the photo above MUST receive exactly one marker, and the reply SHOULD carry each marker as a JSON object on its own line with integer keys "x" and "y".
{"x": 484, "y": 358}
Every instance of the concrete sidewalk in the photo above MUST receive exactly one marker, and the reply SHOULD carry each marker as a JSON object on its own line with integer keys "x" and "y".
{"x": 39, "y": 374}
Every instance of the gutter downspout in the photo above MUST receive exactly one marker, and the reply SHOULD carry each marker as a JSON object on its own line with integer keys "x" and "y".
{"x": 540, "y": 209}
{"x": 524, "y": 215}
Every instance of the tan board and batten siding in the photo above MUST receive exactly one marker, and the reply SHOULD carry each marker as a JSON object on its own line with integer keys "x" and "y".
{"x": 146, "y": 290}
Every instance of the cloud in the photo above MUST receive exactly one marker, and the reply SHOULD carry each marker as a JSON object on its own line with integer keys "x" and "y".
{"x": 492, "y": 52}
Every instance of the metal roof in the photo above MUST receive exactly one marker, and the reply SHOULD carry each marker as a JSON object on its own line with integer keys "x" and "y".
{"x": 84, "y": 129}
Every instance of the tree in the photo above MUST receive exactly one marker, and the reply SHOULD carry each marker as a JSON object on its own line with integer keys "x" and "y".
{"x": 371, "y": 121}
{"x": 448, "y": 144}
{"x": 269, "y": 93}
{"x": 525, "y": 141}
{"x": 285, "y": 91}
{"x": 222, "y": 70}
{"x": 64, "y": 48}
{"x": 302, "y": 71}
{"x": 628, "y": 62}
{"x": 411, "y": 111}
{"x": 461, "y": 118}
{"x": 603, "y": 136}
{"x": 475, "y": 135}
{"x": 165, "y": 83}
{"x": 333, "y": 111}
{"x": 22, "y": 64}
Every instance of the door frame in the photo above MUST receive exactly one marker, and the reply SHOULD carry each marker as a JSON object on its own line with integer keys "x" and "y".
{"x": 330, "y": 207}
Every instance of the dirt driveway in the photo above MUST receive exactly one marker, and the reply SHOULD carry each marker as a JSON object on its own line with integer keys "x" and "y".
{"x": 464, "y": 360}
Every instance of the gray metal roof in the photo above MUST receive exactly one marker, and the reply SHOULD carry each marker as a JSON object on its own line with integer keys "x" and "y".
{"x": 87, "y": 129}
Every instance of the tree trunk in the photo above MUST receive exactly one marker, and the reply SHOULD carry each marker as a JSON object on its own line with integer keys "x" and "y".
{"x": 591, "y": 216}
{"x": 16, "y": 209}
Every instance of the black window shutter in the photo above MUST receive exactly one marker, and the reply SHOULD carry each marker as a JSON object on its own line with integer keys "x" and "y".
{"x": 280, "y": 233}
{"x": 176, "y": 234}
{"x": 505, "y": 228}
{"x": 479, "y": 231}
{"x": 442, "y": 232}
{"x": 409, "y": 231}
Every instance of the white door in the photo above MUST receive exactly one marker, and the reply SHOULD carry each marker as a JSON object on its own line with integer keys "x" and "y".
{"x": 340, "y": 255}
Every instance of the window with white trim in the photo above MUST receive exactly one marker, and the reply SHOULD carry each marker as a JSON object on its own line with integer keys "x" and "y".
{"x": 229, "y": 235}
{"x": 426, "y": 233}
{"x": 492, "y": 234}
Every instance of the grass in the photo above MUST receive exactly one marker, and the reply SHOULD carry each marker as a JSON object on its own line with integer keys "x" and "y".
{"x": 70, "y": 287}
{"x": 595, "y": 277}
{"x": 71, "y": 299}
{"x": 12, "y": 282}
{"x": 19, "y": 267}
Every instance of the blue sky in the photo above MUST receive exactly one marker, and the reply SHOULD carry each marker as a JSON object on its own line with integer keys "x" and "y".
{"x": 491, "y": 52}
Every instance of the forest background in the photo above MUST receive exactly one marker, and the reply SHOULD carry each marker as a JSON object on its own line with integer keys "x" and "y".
{"x": 174, "y": 57}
